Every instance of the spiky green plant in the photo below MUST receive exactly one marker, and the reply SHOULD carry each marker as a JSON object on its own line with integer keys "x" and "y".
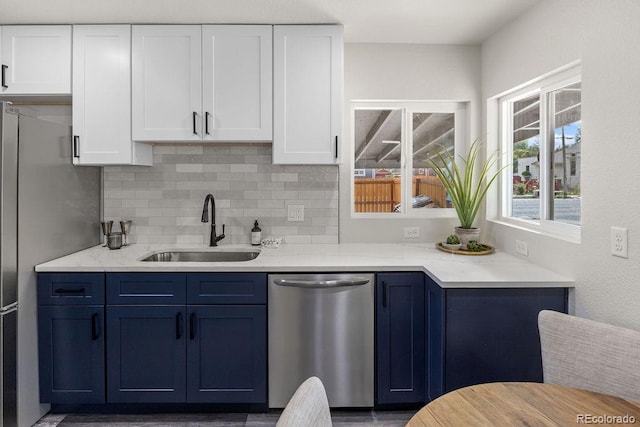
{"x": 465, "y": 189}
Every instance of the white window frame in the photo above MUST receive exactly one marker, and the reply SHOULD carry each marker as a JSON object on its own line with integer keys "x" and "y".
{"x": 501, "y": 108}
{"x": 458, "y": 108}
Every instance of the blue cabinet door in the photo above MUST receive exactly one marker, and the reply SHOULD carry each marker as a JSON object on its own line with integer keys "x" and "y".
{"x": 400, "y": 338}
{"x": 146, "y": 354}
{"x": 71, "y": 354}
{"x": 227, "y": 354}
{"x": 486, "y": 335}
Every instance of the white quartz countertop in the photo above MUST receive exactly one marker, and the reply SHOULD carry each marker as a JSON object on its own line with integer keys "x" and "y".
{"x": 497, "y": 270}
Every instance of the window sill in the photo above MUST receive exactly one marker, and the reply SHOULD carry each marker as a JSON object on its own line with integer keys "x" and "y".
{"x": 571, "y": 236}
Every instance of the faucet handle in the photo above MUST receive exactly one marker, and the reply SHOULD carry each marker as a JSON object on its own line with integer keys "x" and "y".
{"x": 223, "y": 228}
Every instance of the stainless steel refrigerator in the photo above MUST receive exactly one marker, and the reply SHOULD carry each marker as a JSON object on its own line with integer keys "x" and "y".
{"x": 48, "y": 208}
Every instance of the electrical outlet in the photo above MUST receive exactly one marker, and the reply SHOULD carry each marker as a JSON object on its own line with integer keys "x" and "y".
{"x": 522, "y": 248}
{"x": 412, "y": 232}
{"x": 295, "y": 213}
{"x": 619, "y": 242}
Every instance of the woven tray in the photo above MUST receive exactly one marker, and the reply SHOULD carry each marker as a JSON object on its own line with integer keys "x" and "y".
{"x": 486, "y": 250}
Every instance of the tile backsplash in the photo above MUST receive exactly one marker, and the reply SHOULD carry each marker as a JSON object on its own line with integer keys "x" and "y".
{"x": 165, "y": 201}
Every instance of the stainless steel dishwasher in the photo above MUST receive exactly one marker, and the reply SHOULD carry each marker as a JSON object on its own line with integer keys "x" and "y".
{"x": 322, "y": 325}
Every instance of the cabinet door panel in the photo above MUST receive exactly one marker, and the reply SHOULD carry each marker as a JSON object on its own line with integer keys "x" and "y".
{"x": 146, "y": 288}
{"x": 71, "y": 340}
{"x": 102, "y": 94}
{"x": 38, "y": 59}
{"x": 307, "y": 92}
{"x": 492, "y": 334}
{"x": 70, "y": 288}
{"x": 400, "y": 333}
{"x": 146, "y": 357}
{"x": 227, "y": 288}
{"x": 166, "y": 82}
{"x": 227, "y": 353}
{"x": 237, "y": 82}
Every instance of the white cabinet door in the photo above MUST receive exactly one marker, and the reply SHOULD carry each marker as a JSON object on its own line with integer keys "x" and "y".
{"x": 36, "y": 59}
{"x": 166, "y": 82}
{"x": 102, "y": 96}
{"x": 307, "y": 94}
{"x": 237, "y": 82}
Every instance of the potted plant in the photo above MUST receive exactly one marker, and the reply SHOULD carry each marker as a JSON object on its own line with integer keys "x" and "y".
{"x": 466, "y": 184}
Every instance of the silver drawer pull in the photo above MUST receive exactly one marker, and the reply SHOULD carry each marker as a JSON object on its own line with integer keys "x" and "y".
{"x": 321, "y": 283}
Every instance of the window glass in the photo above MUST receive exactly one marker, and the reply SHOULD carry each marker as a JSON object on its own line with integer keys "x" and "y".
{"x": 542, "y": 131}
{"x": 392, "y": 144}
{"x": 565, "y": 118}
{"x": 525, "y": 203}
{"x": 377, "y": 160}
{"x": 432, "y": 133}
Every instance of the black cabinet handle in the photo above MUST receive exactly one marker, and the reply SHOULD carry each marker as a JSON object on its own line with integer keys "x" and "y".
{"x": 336, "y": 146}
{"x": 195, "y": 132}
{"x": 4, "y": 76}
{"x": 95, "y": 334}
{"x": 179, "y": 326}
{"x": 192, "y": 326}
{"x": 69, "y": 291}
{"x": 206, "y": 122}
{"x": 76, "y": 146}
{"x": 384, "y": 294}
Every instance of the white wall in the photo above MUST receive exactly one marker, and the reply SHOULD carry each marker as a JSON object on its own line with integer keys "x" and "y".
{"x": 404, "y": 72}
{"x": 605, "y": 37}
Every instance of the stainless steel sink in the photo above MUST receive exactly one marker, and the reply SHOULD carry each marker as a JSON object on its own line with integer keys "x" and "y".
{"x": 201, "y": 256}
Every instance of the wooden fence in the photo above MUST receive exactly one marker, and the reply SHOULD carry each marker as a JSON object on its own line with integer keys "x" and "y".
{"x": 383, "y": 194}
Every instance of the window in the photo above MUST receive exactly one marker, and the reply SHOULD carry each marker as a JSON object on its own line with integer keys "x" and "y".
{"x": 392, "y": 142}
{"x": 541, "y": 132}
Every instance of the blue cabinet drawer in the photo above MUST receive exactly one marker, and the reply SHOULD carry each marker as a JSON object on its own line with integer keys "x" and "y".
{"x": 227, "y": 288}
{"x": 70, "y": 288}
{"x": 146, "y": 288}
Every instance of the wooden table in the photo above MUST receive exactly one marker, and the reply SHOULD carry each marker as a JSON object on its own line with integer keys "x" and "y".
{"x": 530, "y": 404}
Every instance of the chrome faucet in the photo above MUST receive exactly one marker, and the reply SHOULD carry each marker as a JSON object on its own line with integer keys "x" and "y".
{"x": 213, "y": 241}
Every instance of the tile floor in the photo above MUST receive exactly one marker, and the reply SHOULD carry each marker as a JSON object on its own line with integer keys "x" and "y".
{"x": 340, "y": 419}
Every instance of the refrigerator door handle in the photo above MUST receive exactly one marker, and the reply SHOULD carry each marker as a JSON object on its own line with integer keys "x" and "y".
{"x": 9, "y": 308}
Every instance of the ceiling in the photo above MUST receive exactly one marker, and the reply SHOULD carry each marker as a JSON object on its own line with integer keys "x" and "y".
{"x": 377, "y": 134}
{"x": 376, "y": 21}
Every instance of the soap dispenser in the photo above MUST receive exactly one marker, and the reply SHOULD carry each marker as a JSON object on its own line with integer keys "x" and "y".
{"x": 256, "y": 234}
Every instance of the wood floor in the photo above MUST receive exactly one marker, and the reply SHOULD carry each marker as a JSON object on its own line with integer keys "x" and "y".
{"x": 340, "y": 419}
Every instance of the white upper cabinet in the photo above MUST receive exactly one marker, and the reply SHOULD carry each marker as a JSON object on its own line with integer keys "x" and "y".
{"x": 202, "y": 83}
{"x": 307, "y": 94}
{"x": 102, "y": 97}
{"x": 166, "y": 83}
{"x": 36, "y": 60}
{"x": 237, "y": 82}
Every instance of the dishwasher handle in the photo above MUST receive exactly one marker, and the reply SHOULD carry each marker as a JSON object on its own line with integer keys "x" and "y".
{"x": 338, "y": 283}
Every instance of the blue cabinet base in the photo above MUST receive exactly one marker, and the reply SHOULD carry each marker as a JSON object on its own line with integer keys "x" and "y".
{"x": 155, "y": 408}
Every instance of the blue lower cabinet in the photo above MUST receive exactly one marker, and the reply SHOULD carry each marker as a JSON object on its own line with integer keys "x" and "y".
{"x": 71, "y": 354}
{"x": 486, "y": 335}
{"x": 146, "y": 354}
{"x": 226, "y": 354}
{"x": 400, "y": 338}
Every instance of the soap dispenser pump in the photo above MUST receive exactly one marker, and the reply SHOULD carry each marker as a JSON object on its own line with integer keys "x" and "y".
{"x": 256, "y": 234}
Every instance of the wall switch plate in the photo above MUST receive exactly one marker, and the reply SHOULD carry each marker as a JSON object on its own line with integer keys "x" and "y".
{"x": 522, "y": 248}
{"x": 412, "y": 232}
{"x": 619, "y": 242}
{"x": 295, "y": 213}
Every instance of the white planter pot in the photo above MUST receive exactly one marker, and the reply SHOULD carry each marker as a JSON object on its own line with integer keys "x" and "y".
{"x": 466, "y": 234}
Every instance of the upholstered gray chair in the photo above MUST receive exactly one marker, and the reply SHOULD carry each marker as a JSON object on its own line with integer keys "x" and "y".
{"x": 307, "y": 407}
{"x": 590, "y": 355}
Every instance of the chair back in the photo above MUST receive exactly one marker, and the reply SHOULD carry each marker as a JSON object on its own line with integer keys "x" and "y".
{"x": 307, "y": 407}
{"x": 590, "y": 355}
